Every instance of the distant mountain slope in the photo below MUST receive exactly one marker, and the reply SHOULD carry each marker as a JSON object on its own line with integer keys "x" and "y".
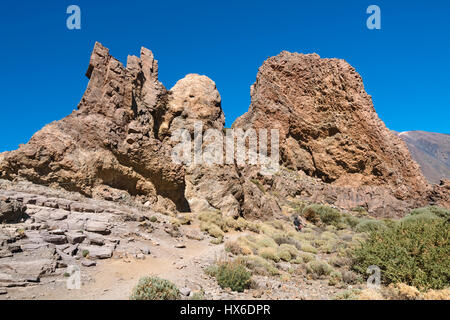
{"x": 431, "y": 151}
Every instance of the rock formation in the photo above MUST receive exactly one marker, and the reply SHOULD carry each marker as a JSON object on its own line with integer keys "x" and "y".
{"x": 328, "y": 126}
{"x": 334, "y": 148}
{"x": 111, "y": 142}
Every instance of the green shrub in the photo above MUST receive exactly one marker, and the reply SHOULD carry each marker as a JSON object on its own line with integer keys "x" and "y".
{"x": 269, "y": 254}
{"x": 416, "y": 252}
{"x": 233, "y": 275}
{"x": 351, "y": 294}
{"x": 335, "y": 278}
{"x": 292, "y": 250}
{"x": 288, "y": 240}
{"x": 419, "y": 218}
{"x": 350, "y": 220}
{"x": 434, "y": 210}
{"x": 306, "y": 257}
{"x": 259, "y": 265}
{"x": 319, "y": 268}
{"x": 213, "y": 230}
{"x": 213, "y": 217}
{"x": 315, "y": 213}
{"x": 368, "y": 225}
{"x": 306, "y": 247}
{"x": 154, "y": 288}
{"x": 211, "y": 270}
{"x": 197, "y": 296}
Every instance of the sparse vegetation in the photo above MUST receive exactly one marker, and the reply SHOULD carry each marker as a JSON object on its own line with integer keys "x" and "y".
{"x": 154, "y": 288}
{"x": 231, "y": 274}
{"x": 368, "y": 225}
{"x": 318, "y": 268}
{"x": 332, "y": 249}
{"x": 259, "y": 265}
{"x": 317, "y": 213}
{"x": 413, "y": 251}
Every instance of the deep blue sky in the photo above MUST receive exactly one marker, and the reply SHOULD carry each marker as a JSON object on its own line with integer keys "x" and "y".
{"x": 405, "y": 65}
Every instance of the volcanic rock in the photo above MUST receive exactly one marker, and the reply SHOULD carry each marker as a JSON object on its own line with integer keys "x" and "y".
{"x": 328, "y": 126}
{"x": 110, "y": 141}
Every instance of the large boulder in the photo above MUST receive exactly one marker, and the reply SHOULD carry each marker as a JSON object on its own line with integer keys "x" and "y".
{"x": 328, "y": 126}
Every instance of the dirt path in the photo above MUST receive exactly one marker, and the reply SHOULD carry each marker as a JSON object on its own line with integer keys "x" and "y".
{"x": 114, "y": 279}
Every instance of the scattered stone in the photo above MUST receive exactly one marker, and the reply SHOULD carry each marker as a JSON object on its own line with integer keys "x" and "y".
{"x": 185, "y": 291}
{"x": 58, "y": 214}
{"x": 71, "y": 250}
{"x": 14, "y": 248}
{"x": 96, "y": 252}
{"x": 96, "y": 239}
{"x": 88, "y": 263}
{"x": 97, "y": 227}
{"x": 145, "y": 250}
{"x": 33, "y": 246}
{"x": 180, "y": 246}
{"x": 54, "y": 238}
{"x": 75, "y": 237}
{"x": 12, "y": 212}
{"x": 195, "y": 235}
{"x": 57, "y": 232}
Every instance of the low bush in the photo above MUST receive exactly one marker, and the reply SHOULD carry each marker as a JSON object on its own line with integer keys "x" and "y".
{"x": 233, "y": 275}
{"x": 319, "y": 268}
{"x": 335, "y": 278}
{"x": 416, "y": 252}
{"x": 259, "y": 265}
{"x": 288, "y": 240}
{"x": 368, "y": 225}
{"x": 213, "y": 217}
{"x": 269, "y": 254}
{"x": 154, "y": 288}
{"x": 350, "y": 220}
{"x": 306, "y": 247}
{"x": 306, "y": 257}
{"x": 350, "y": 277}
{"x": 351, "y": 294}
{"x": 288, "y": 248}
{"x": 434, "y": 210}
{"x": 213, "y": 230}
{"x": 316, "y": 213}
{"x": 233, "y": 247}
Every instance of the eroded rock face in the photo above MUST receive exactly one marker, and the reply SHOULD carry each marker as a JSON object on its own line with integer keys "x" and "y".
{"x": 334, "y": 148}
{"x": 328, "y": 126}
{"x": 194, "y": 98}
{"x": 110, "y": 143}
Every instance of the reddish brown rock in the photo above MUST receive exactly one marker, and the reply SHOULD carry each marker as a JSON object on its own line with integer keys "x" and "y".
{"x": 328, "y": 126}
{"x": 334, "y": 148}
{"x": 111, "y": 140}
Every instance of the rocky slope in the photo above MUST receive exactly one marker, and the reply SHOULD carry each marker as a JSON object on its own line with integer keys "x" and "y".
{"x": 334, "y": 148}
{"x": 431, "y": 151}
